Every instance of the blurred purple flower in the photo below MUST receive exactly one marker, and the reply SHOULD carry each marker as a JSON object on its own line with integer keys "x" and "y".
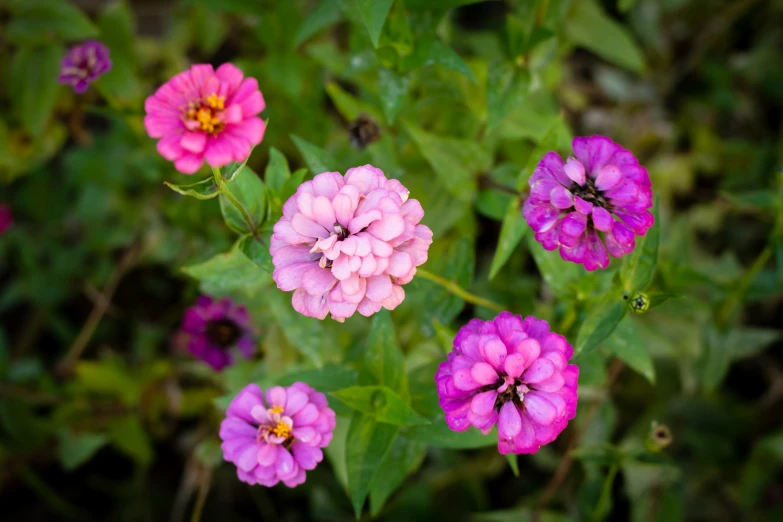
{"x": 6, "y": 218}
{"x": 347, "y": 244}
{"x": 513, "y": 373}
{"x": 603, "y": 189}
{"x": 212, "y": 328}
{"x": 279, "y": 443}
{"x": 83, "y": 64}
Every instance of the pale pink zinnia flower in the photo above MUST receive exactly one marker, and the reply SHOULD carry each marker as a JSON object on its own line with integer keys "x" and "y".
{"x": 278, "y": 441}
{"x": 513, "y": 373}
{"x": 203, "y": 114}
{"x": 348, "y": 243}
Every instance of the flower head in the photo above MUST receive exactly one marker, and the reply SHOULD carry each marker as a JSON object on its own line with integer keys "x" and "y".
{"x": 279, "y": 440}
{"x": 348, "y": 243}
{"x": 6, "y": 218}
{"x": 212, "y": 328}
{"x": 602, "y": 190}
{"x": 83, "y": 64}
{"x": 513, "y": 373}
{"x": 203, "y": 114}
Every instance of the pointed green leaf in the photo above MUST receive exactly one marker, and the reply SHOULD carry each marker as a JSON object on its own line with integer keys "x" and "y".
{"x": 512, "y": 231}
{"x": 229, "y": 272}
{"x": 431, "y": 51}
{"x": 559, "y": 275}
{"x": 317, "y": 159}
{"x": 325, "y": 14}
{"x": 403, "y": 457}
{"x": 33, "y": 71}
{"x": 374, "y": 13}
{"x": 658, "y": 298}
{"x": 393, "y": 89}
{"x": 128, "y": 435}
{"x": 277, "y": 171}
{"x": 257, "y": 252}
{"x": 347, "y": 105}
{"x": 440, "y": 435}
{"x": 250, "y": 191}
{"x": 507, "y": 85}
{"x": 601, "y": 321}
{"x": 306, "y": 334}
{"x": 41, "y": 21}
{"x": 627, "y": 344}
{"x": 639, "y": 266}
{"x": 204, "y": 189}
{"x": 384, "y": 363}
{"x": 76, "y": 449}
{"x": 381, "y": 403}
{"x": 365, "y": 447}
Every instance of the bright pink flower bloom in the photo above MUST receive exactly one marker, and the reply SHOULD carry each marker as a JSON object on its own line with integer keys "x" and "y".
{"x": 513, "y": 373}
{"x": 278, "y": 443}
{"x": 6, "y": 218}
{"x": 348, "y": 243}
{"x": 603, "y": 190}
{"x": 203, "y": 114}
{"x": 213, "y": 328}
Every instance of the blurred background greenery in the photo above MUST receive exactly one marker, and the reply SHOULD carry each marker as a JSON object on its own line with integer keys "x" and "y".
{"x": 104, "y": 417}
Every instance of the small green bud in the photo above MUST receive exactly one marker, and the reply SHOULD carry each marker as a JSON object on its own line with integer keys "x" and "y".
{"x": 659, "y": 437}
{"x": 638, "y": 302}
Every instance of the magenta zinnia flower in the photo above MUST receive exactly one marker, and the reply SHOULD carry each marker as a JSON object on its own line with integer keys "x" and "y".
{"x": 203, "y": 114}
{"x": 602, "y": 190}
{"x": 83, "y": 64}
{"x": 212, "y": 328}
{"x": 279, "y": 443}
{"x": 511, "y": 372}
{"x": 6, "y": 218}
{"x": 348, "y": 243}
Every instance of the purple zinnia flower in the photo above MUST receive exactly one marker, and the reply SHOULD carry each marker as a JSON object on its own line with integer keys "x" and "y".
{"x": 347, "y": 244}
{"x": 214, "y": 327}
{"x": 279, "y": 443}
{"x": 512, "y": 372}
{"x": 603, "y": 189}
{"x": 6, "y": 218}
{"x": 83, "y": 64}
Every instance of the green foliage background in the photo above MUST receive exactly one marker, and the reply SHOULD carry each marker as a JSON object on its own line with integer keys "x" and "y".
{"x": 102, "y": 417}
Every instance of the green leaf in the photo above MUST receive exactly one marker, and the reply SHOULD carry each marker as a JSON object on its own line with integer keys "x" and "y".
{"x": 507, "y": 85}
{"x": 325, "y": 14}
{"x": 257, "y": 252}
{"x": 402, "y": 458}
{"x": 290, "y": 186}
{"x": 559, "y": 275}
{"x": 128, "y": 436}
{"x": 454, "y": 161}
{"x": 639, "y": 267}
{"x": 440, "y": 435}
{"x": 381, "y": 403}
{"x": 512, "y": 231}
{"x": 108, "y": 377}
{"x": 349, "y": 107}
{"x": 76, "y": 449}
{"x": 277, "y": 171}
{"x": 627, "y": 344}
{"x": 600, "y": 322}
{"x": 317, "y": 159}
{"x": 625, "y": 5}
{"x": 374, "y": 13}
{"x": 208, "y": 452}
{"x": 204, "y": 189}
{"x": 548, "y": 143}
{"x": 438, "y": 4}
{"x": 366, "y": 444}
{"x": 250, "y": 191}
{"x": 306, "y": 334}
{"x": 118, "y": 31}
{"x": 431, "y": 51}
{"x": 513, "y": 463}
{"x": 228, "y": 273}
{"x": 329, "y": 378}
{"x": 384, "y": 363}
{"x": 658, "y": 298}
{"x": 393, "y": 89}
{"x": 588, "y": 26}
{"x": 33, "y": 77}
{"x": 38, "y": 21}
{"x": 520, "y": 515}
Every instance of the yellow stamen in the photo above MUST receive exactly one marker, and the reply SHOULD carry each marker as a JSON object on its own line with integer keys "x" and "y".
{"x": 277, "y": 409}
{"x": 216, "y": 102}
{"x": 282, "y": 430}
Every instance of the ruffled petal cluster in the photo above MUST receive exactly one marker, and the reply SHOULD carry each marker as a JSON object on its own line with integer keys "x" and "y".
{"x": 213, "y": 328}
{"x": 83, "y": 64}
{"x": 347, "y": 244}
{"x": 276, "y": 441}
{"x": 603, "y": 191}
{"x": 202, "y": 114}
{"x": 513, "y": 373}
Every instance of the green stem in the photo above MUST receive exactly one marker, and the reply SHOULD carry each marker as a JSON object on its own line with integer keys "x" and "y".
{"x": 602, "y": 508}
{"x": 731, "y": 302}
{"x": 221, "y": 183}
{"x": 457, "y": 290}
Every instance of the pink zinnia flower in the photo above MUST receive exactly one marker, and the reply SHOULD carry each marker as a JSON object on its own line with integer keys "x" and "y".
{"x": 213, "y": 328}
{"x": 348, "y": 243}
{"x": 203, "y": 114}
{"x": 6, "y": 218}
{"x": 512, "y": 372}
{"x": 83, "y": 64}
{"x": 602, "y": 190}
{"x": 279, "y": 443}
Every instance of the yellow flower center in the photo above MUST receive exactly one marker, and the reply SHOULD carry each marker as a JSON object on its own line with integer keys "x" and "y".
{"x": 282, "y": 430}
{"x": 277, "y": 409}
{"x": 206, "y": 113}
